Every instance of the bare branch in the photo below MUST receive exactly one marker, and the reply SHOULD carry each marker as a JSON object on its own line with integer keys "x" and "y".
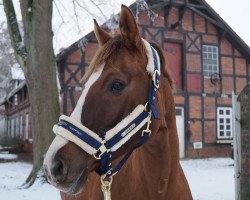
{"x": 59, "y": 11}
{"x": 84, "y": 8}
{"x": 76, "y": 16}
{"x": 15, "y": 35}
{"x": 97, "y": 6}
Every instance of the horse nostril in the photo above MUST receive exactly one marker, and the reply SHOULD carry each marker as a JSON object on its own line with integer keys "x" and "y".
{"x": 58, "y": 170}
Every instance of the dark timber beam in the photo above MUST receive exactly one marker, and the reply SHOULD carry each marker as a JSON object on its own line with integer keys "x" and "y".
{"x": 182, "y": 10}
{"x": 162, "y": 4}
{"x": 176, "y": 4}
{"x": 219, "y": 25}
{"x": 221, "y": 34}
{"x": 167, "y": 9}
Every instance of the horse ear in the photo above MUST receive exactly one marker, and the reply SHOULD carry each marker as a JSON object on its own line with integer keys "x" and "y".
{"x": 101, "y": 35}
{"x": 128, "y": 27}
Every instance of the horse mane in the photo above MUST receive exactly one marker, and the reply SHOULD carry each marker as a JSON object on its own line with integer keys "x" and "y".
{"x": 111, "y": 49}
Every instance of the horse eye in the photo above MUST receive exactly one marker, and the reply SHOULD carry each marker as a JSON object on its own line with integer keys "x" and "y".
{"x": 117, "y": 86}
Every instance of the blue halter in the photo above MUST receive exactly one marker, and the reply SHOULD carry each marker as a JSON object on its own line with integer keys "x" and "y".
{"x": 103, "y": 147}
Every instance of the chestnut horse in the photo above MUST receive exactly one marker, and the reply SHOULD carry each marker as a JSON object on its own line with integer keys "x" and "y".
{"x": 115, "y": 83}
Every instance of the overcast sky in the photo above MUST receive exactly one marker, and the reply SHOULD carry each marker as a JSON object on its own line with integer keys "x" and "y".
{"x": 235, "y": 12}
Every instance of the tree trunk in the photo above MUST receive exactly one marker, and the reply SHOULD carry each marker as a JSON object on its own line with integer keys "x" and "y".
{"x": 40, "y": 72}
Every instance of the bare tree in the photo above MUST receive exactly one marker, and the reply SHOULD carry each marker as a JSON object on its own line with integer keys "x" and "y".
{"x": 7, "y": 59}
{"x": 34, "y": 53}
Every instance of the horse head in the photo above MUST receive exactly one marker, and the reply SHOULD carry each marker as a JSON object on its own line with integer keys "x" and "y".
{"x": 117, "y": 81}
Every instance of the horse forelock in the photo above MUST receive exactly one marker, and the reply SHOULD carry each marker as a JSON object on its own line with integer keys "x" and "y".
{"x": 110, "y": 51}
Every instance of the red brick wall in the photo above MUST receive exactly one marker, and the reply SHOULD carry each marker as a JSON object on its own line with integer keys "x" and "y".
{"x": 210, "y": 151}
{"x": 199, "y": 24}
{"x": 195, "y": 131}
{"x": 187, "y": 23}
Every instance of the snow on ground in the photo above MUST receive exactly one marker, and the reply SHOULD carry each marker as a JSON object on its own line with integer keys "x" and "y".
{"x": 209, "y": 179}
{"x": 13, "y": 175}
{"x": 6, "y": 156}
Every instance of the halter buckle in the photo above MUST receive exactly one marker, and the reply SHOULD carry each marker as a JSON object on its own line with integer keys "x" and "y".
{"x": 102, "y": 149}
{"x": 146, "y": 132}
{"x": 155, "y": 80}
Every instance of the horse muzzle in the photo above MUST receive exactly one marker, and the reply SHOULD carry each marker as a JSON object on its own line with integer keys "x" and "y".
{"x": 62, "y": 169}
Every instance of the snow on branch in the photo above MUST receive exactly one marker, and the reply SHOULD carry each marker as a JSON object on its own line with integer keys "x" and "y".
{"x": 142, "y": 6}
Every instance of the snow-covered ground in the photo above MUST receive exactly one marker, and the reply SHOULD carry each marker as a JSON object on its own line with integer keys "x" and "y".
{"x": 6, "y": 156}
{"x": 13, "y": 175}
{"x": 209, "y": 179}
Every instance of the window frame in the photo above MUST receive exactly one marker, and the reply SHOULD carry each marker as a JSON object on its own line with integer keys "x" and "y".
{"x": 26, "y": 126}
{"x": 207, "y": 73}
{"x": 21, "y": 125}
{"x": 17, "y": 126}
{"x": 9, "y": 127}
{"x": 224, "y": 117}
{"x": 12, "y": 127}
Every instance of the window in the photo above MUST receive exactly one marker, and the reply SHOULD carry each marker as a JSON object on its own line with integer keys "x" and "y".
{"x": 21, "y": 126}
{"x": 17, "y": 126}
{"x": 13, "y": 128}
{"x": 178, "y": 111}
{"x": 15, "y": 100}
{"x": 224, "y": 123}
{"x": 9, "y": 127}
{"x": 210, "y": 60}
{"x": 27, "y": 126}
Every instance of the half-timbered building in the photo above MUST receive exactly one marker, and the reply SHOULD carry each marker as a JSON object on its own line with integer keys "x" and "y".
{"x": 207, "y": 59}
{"x": 17, "y": 112}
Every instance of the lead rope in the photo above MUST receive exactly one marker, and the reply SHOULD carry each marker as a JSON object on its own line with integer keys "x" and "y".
{"x": 106, "y": 186}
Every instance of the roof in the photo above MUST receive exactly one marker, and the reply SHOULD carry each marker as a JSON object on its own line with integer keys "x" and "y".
{"x": 13, "y": 92}
{"x": 229, "y": 33}
{"x": 200, "y": 7}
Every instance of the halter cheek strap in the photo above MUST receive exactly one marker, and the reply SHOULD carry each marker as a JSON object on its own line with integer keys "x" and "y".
{"x": 101, "y": 147}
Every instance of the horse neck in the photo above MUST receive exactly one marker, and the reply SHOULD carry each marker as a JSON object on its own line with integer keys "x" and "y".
{"x": 151, "y": 169}
{"x": 157, "y": 161}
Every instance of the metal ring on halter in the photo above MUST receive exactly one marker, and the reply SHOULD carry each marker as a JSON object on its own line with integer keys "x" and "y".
{"x": 156, "y": 82}
{"x": 146, "y": 107}
{"x": 146, "y": 132}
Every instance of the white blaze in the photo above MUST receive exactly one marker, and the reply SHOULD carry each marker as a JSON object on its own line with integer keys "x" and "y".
{"x": 59, "y": 141}
{"x": 57, "y": 144}
{"x": 77, "y": 112}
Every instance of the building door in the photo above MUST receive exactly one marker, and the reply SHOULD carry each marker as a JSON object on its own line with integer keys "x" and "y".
{"x": 173, "y": 55}
{"x": 180, "y": 130}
